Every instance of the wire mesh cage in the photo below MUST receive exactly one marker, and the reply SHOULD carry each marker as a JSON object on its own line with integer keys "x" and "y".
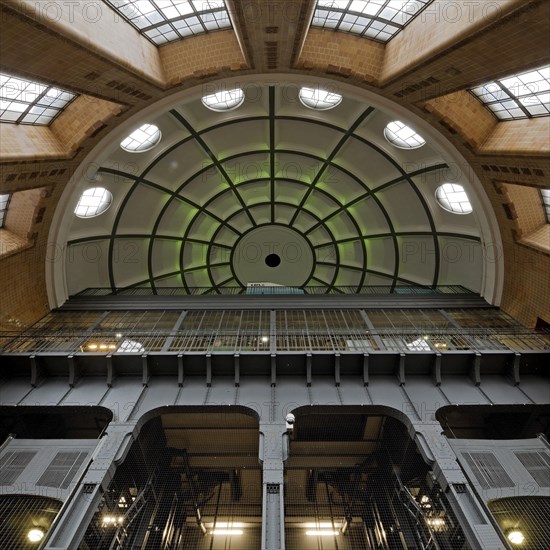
{"x": 525, "y": 521}
{"x": 25, "y": 520}
{"x": 190, "y": 480}
{"x": 357, "y": 481}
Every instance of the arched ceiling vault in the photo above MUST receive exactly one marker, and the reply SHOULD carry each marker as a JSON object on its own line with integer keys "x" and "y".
{"x": 322, "y": 190}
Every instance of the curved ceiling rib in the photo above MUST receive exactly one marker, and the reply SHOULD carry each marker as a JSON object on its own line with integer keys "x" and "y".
{"x": 359, "y": 211}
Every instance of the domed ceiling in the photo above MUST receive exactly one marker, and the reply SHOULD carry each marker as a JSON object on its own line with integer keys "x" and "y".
{"x": 272, "y": 191}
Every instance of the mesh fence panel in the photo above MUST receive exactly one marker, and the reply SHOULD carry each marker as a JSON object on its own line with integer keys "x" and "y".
{"x": 357, "y": 482}
{"x": 24, "y": 520}
{"x": 528, "y": 516}
{"x": 189, "y": 481}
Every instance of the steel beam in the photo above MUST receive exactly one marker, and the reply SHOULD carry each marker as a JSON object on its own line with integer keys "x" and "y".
{"x": 273, "y": 453}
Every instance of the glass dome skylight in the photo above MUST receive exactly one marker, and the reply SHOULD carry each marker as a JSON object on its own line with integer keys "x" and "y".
{"x": 4, "y": 203}
{"x": 28, "y": 102}
{"x": 163, "y": 21}
{"x": 93, "y": 202}
{"x": 225, "y": 100}
{"x": 545, "y": 194}
{"x": 317, "y": 98}
{"x": 143, "y": 139}
{"x": 526, "y": 95}
{"x": 402, "y": 136}
{"x": 375, "y": 19}
{"x": 453, "y": 198}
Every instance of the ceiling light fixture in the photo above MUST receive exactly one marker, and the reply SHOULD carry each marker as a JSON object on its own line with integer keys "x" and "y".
{"x": 515, "y": 536}
{"x": 227, "y": 532}
{"x": 111, "y": 520}
{"x": 35, "y": 535}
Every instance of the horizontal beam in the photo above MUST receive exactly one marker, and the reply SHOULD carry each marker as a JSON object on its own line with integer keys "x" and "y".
{"x": 307, "y": 366}
{"x": 273, "y": 301}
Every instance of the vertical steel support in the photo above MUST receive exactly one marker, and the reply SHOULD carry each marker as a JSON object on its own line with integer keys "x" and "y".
{"x": 70, "y": 526}
{"x": 273, "y": 453}
{"x": 474, "y": 520}
{"x": 373, "y": 331}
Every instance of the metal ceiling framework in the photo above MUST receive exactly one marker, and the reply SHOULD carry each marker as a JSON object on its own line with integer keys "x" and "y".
{"x": 166, "y": 21}
{"x": 338, "y": 259}
{"x": 379, "y": 20}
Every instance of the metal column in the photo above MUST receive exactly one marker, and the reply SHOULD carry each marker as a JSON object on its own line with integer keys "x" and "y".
{"x": 474, "y": 520}
{"x": 71, "y": 524}
{"x": 273, "y": 453}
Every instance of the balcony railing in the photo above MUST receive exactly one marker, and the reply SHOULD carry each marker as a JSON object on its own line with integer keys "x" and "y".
{"x": 122, "y": 341}
{"x": 279, "y": 290}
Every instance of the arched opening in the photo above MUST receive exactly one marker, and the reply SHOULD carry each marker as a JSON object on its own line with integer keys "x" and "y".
{"x": 191, "y": 479}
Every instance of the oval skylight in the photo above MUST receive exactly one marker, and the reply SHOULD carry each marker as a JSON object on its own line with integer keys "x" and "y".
{"x": 225, "y": 100}
{"x": 400, "y": 135}
{"x": 319, "y": 99}
{"x": 93, "y": 202}
{"x": 141, "y": 140}
{"x": 130, "y": 346}
{"x": 453, "y": 198}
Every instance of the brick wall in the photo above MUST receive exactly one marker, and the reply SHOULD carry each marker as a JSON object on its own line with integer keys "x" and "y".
{"x": 207, "y": 54}
{"x": 343, "y": 54}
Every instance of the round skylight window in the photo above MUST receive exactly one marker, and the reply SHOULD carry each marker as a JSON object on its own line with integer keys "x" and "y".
{"x": 453, "y": 198}
{"x": 93, "y": 202}
{"x": 400, "y": 135}
{"x": 143, "y": 139}
{"x": 317, "y": 98}
{"x": 226, "y": 100}
{"x": 130, "y": 346}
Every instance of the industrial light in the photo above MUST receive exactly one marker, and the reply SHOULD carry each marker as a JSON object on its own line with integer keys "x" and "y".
{"x": 436, "y": 522}
{"x": 111, "y": 520}
{"x": 515, "y": 536}
{"x": 322, "y": 533}
{"x": 265, "y": 339}
{"x": 320, "y": 525}
{"x": 35, "y": 535}
{"x": 226, "y": 532}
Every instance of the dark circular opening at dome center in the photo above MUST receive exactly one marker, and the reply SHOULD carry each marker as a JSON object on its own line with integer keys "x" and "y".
{"x": 273, "y": 260}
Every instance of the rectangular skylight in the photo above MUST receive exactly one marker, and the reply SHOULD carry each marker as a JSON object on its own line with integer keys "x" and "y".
{"x": 4, "y": 203}
{"x": 28, "y": 102}
{"x": 525, "y": 95}
{"x": 545, "y": 194}
{"x": 376, "y": 19}
{"x": 163, "y": 21}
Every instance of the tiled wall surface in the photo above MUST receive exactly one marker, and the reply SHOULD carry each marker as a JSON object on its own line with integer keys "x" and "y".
{"x": 207, "y": 54}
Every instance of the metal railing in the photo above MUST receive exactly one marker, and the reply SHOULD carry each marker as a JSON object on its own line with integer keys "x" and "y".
{"x": 273, "y": 340}
{"x": 377, "y": 290}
